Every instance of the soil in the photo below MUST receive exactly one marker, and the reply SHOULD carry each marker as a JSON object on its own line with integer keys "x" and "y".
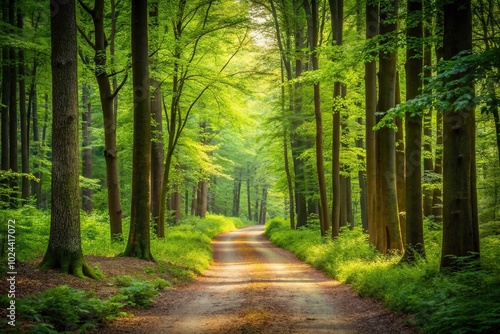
{"x": 252, "y": 287}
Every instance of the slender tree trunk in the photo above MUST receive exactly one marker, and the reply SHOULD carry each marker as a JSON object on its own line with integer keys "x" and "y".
{"x": 107, "y": 96}
{"x": 263, "y": 207}
{"x": 427, "y": 124}
{"x": 64, "y": 250}
{"x": 414, "y": 246}
{"x": 157, "y": 152}
{"x": 372, "y": 28}
{"x": 13, "y": 120}
{"x": 362, "y": 184}
{"x": 5, "y": 102}
{"x": 25, "y": 182}
{"x": 388, "y": 219}
{"x": 400, "y": 166}
{"x": 86, "y": 146}
{"x": 138, "y": 244}
{"x": 249, "y": 202}
{"x": 460, "y": 225}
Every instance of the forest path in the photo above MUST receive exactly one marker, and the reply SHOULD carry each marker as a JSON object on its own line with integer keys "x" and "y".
{"x": 256, "y": 287}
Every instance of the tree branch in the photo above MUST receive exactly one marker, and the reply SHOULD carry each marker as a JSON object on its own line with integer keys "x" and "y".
{"x": 119, "y": 87}
{"x": 87, "y": 8}
{"x": 87, "y": 39}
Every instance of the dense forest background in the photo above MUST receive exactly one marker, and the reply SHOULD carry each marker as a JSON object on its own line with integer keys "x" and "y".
{"x": 380, "y": 116}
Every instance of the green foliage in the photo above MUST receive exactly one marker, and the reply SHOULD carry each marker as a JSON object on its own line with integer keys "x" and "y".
{"x": 137, "y": 293}
{"x": 467, "y": 301}
{"x": 66, "y": 309}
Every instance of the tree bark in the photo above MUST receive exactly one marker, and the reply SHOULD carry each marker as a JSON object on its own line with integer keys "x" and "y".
{"x": 372, "y": 28}
{"x": 427, "y": 124}
{"x": 400, "y": 166}
{"x": 106, "y": 95}
{"x": 138, "y": 244}
{"x": 414, "y": 246}
{"x": 25, "y": 163}
{"x": 362, "y": 185}
{"x": 64, "y": 250}
{"x": 14, "y": 185}
{"x": 86, "y": 146}
{"x": 388, "y": 220}
{"x": 460, "y": 224}
{"x": 157, "y": 152}
{"x": 5, "y": 103}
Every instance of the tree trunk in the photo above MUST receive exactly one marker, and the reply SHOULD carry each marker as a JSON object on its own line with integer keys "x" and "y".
{"x": 249, "y": 202}
{"x": 64, "y": 250}
{"x": 388, "y": 219}
{"x": 202, "y": 191}
{"x": 138, "y": 244}
{"x": 107, "y": 96}
{"x": 313, "y": 29}
{"x": 25, "y": 182}
{"x": 5, "y": 102}
{"x": 460, "y": 225}
{"x": 263, "y": 207}
{"x": 400, "y": 166}
{"x": 175, "y": 205}
{"x": 86, "y": 146}
{"x": 157, "y": 152}
{"x": 372, "y": 28}
{"x": 427, "y": 124}
{"x": 414, "y": 246}
{"x": 14, "y": 185}
{"x": 362, "y": 185}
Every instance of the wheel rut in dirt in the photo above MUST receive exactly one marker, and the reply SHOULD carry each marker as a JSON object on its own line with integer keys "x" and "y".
{"x": 256, "y": 287}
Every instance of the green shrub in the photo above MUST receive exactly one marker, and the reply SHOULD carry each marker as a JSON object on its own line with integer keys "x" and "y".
{"x": 66, "y": 309}
{"x": 139, "y": 293}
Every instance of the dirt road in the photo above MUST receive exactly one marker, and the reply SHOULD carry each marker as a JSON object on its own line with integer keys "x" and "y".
{"x": 255, "y": 287}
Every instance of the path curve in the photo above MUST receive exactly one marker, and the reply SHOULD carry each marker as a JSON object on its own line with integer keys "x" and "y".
{"x": 256, "y": 287}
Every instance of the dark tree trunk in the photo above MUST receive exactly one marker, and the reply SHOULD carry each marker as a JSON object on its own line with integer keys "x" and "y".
{"x": 427, "y": 124}
{"x": 372, "y": 28}
{"x": 388, "y": 219}
{"x": 336, "y": 11}
{"x": 86, "y": 146}
{"x": 175, "y": 205}
{"x": 414, "y": 246}
{"x": 138, "y": 244}
{"x": 249, "y": 202}
{"x": 460, "y": 224}
{"x": 14, "y": 185}
{"x": 263, "y": 207}
{"x": 64, "y": 250}
{"x": 25, "y": 182}
{"x": 5, "y": 100}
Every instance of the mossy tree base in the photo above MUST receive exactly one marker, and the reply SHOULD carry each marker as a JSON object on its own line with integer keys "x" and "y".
{"x": 139, "y": 251}
{"x": 72, "y": 263}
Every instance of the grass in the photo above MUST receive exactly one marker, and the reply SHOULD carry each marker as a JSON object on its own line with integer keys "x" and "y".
{"x": 463, "y": 302}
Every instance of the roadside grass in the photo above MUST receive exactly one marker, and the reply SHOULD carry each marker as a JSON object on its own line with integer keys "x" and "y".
{"x": 183, "y": 254}
{"x": 463, "y": 302}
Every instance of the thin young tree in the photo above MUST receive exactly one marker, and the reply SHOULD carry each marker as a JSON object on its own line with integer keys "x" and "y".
{"x": 64, "y": 250}
{"x": 138, "y": 244}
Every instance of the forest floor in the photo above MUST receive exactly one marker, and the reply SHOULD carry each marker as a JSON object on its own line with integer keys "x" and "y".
{"x": 252, "y": 287}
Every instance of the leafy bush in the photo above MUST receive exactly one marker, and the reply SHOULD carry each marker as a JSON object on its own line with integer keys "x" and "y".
{"x": 139, "y": 293}
{"x": 67, "y": 309}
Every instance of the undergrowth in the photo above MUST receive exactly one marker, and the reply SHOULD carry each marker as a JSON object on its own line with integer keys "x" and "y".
{"x": 463, "y": 302}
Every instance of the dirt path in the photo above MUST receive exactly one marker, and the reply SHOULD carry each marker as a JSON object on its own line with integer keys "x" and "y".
{"x": 255, "y": 287}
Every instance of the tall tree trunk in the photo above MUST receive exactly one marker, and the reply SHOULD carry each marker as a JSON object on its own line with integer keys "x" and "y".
{"x": 64, "y": 250}
{"x": 263, "y": 207}
{"x": 107, "y": 96}
{"x": 249, "y": 202}
{"x": 25, "y": 164}
{"x": 400, "y": 166}
{"x": 460, "y": 224}
{"x": 86, "y": 146}
{"x": 313, "y": 30}
{"x": 362, "y": 184}
{"x": 372, "y": 28}
{"x": 14, "y": 185}
{"x": 414, "y": 246}
{"x": 5, "y": 102}
{"x": 175, "y": 205}
{"x": 336, "y": 12}
{"x": 388, "y": 219}
{"x": 427, "y": 124}
{"x": 157, "y": 152}
{"x": 138, "y": 244}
